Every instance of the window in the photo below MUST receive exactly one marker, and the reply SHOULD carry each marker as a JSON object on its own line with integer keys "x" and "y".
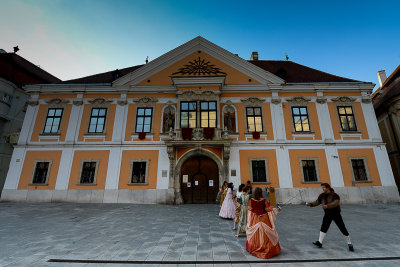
{"x": 208, "y": 114}
{"x": 41, "y": 172}
{"x": 254, "y": 119}
{"x": 138, "y": 172}
{"x": 88, "y": 172}
{"x": 188, "y": 114}
{"x": 300, "y": 119}
{"x": 143, "y": 120}
{"x": 359, "y": 170}
{"x": 309, "y": 171}
{"x": 53, "y": 120}
{"x": 97, "y": 120}
{"x": 258, "y": 171}
{"x": 346, "y": 118}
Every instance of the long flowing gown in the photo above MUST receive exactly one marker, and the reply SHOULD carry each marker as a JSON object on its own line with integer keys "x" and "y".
{"x": 223, "y": 196}
{"x": 241, "y": 231}
{"x": 237, "y": 201}
{"x": 262, "y": 239}
{"x": 228, "y": 207}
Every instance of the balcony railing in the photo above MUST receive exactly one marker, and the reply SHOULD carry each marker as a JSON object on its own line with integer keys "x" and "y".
{"x": 199, "y": 134}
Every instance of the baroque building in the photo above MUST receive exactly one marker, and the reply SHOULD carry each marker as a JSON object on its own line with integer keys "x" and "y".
{"x": 172, "y": 130}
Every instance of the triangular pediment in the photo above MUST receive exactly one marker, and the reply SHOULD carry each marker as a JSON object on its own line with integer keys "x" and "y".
{"x": 198, "y": 58}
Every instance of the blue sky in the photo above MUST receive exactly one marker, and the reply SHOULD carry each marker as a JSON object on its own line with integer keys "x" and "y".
{"x": 71, "y": 38}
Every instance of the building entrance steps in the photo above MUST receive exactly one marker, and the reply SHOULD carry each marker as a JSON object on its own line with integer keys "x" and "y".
{"x": 32, "y": 234}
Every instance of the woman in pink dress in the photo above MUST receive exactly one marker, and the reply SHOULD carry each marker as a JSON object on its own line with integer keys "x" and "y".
{"x": 228, "y": 208}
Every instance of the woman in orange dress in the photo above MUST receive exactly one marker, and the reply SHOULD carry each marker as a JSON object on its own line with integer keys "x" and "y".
{"x": 262, "y": 239}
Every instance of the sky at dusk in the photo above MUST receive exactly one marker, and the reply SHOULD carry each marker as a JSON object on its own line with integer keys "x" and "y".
{"x": 72, "y": 39}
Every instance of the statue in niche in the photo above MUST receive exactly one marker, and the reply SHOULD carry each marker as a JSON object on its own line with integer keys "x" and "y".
{"x": 229, "y": 121}
{"x": 169, "y": 120}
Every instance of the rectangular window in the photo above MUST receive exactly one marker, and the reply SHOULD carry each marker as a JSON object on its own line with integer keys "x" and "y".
{"x": 53, "y": 120}
{"x": 359, "y": 171}
{"x": 88, "y": 172}
{"x": 41, "y": 172}
{"x": 188, "y": 114}
{"x": 300, "y": 119}
{"x": 138, "y": 172}
{"x": 254, "y": 119}
{"x": 309, "y": 171}
{"x": 346, "y": 118}
{"x": 258, "y": 171}
{"x": 143, "y": 120}
{"x": 97, "y": 120}
{"x": 208, "y": 113}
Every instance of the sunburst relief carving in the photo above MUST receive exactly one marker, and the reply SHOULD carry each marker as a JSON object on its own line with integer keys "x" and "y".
{"x": 199, "y": 67}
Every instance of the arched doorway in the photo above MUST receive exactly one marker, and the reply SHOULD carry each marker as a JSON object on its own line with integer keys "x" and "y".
{"x": 199, "y": 179}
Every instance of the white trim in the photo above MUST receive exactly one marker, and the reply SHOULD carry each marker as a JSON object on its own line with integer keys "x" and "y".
{"x": 384, "y": 167}
{"x": 114, "y": 168}
{"x": 284, "y": 168}
{"x": 15, "y": 169}
{"x": 334, "y": 167}
{"x": 64, "y": 170}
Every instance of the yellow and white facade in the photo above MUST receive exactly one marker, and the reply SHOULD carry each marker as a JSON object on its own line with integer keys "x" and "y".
{"x": 172, "y": 130}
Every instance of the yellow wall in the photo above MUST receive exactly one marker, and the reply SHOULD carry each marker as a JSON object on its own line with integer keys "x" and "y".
{"x": 85, "y": 123}
{"x": 41, "y": 120}
{"x": 102, "y": 156}
{"x": 29, "y": 166}
{"x": 368, "y": 153}
{"x": 233, "y": 76}
{"x": 124, "y": 176}
{"x": 323, "y": 173}
{"x": 270, "y": 154}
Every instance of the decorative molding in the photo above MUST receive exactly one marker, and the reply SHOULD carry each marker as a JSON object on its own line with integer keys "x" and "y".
{"x": 199, "y": 67}
{"x": 77, "y": 102}
{"x": 100, "y": 102}
{"x": 57, "y": 102}
{"x": 321, "y": 100}
{"x": 122, "y": 102}
{"x": 366, "y": 100}
{"x": 253, "y": 101}
{"x": 275, "y": 100}
{"x": 33, "y": 103}
{"x": 343, "y": 99}
{"x": 298, "y": 99}
{"x": 145, "y": 101}
{"x": 191, "y": 95}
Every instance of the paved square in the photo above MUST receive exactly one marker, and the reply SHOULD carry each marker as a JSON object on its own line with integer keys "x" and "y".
{"x": 33, "y": 233}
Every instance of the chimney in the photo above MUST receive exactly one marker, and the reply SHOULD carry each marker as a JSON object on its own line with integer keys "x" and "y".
{"x": 254, "y": 56}
{"x": 382, "y": 77}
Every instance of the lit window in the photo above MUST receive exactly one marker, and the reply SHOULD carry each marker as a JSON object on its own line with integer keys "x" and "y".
{"x": 208, "y": 113}
{"x": 300, "y": 119}
{"x": 254, "y": 119}
{"x": 346, "y": 118}
{"x": 188, "y": 114}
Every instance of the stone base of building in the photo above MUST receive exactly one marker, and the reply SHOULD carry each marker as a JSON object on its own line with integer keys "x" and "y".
{"x": 348, "y": 195}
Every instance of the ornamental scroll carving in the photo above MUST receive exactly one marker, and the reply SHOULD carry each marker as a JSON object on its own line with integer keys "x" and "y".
{"x": 253, "y": 101}
{"x": 343, "y": 99}
{"x": 57, "y": 102}
{"x": 145, "y": 101}
{"x": 191, "y": 95}
{"x": 100, "y": 102}
{"x": 298, "y": 101}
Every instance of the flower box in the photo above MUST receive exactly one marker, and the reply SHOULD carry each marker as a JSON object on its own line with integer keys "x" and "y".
{"x": 208, "y": 133}
{"x": 256, "y": 135}
{"x": 187, "y": 133}
{"x": 142, "y": 136}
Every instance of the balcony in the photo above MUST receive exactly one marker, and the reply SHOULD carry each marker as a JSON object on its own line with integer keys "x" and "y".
{"x": 198, "y": 134}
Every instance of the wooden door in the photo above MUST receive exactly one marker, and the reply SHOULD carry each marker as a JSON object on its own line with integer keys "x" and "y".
{"x": 199, "y": 180}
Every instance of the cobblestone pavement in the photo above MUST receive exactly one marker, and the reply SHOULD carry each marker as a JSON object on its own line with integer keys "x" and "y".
{"x": 33, "y": 233}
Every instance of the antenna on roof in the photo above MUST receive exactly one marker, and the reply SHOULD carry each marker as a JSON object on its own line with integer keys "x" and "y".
{"x": 287, "y": 56}
{"x": 147, "y": 59}
{"x": 16, "y": 49}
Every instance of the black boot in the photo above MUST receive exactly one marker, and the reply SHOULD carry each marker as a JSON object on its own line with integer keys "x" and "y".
{"x": 318, "y": 244}
{"x": 351, "y": 247}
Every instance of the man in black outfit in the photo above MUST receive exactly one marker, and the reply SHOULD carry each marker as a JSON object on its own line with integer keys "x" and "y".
{"x": 331, "y": 204}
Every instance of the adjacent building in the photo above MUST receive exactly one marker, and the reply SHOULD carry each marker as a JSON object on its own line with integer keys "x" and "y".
{"x": 386, "y": 102}
{"x": 15, "y": 72}
{"x": 172, "y": 130}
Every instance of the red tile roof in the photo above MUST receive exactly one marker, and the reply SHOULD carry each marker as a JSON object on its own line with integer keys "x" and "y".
{"x": 20, "y": 71}
{"x": 287, "y": 70}
{"x": 389, "y": 90}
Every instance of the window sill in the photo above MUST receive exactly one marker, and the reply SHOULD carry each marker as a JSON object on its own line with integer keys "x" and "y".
{"x": 362, "y": 182}
{"x": 303, "y": 133}
{"x": 260, "y": 183}
{"x": 86, "y": 184}
{"x": 140, "y": 184}
{"x": 50, "y": 134}
{"x": 350, "y": 132}
{"x": 38, "y": 184}
{"x": 314, "y": 182}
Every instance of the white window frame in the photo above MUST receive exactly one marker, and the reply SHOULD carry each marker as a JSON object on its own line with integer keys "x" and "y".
{"x": 146, "y": 181}
{"x": 34, "y": 170}
{"x": 366, "y": 170}
{"x": 316, "y": 163}
{"x": 95, "y": 173}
